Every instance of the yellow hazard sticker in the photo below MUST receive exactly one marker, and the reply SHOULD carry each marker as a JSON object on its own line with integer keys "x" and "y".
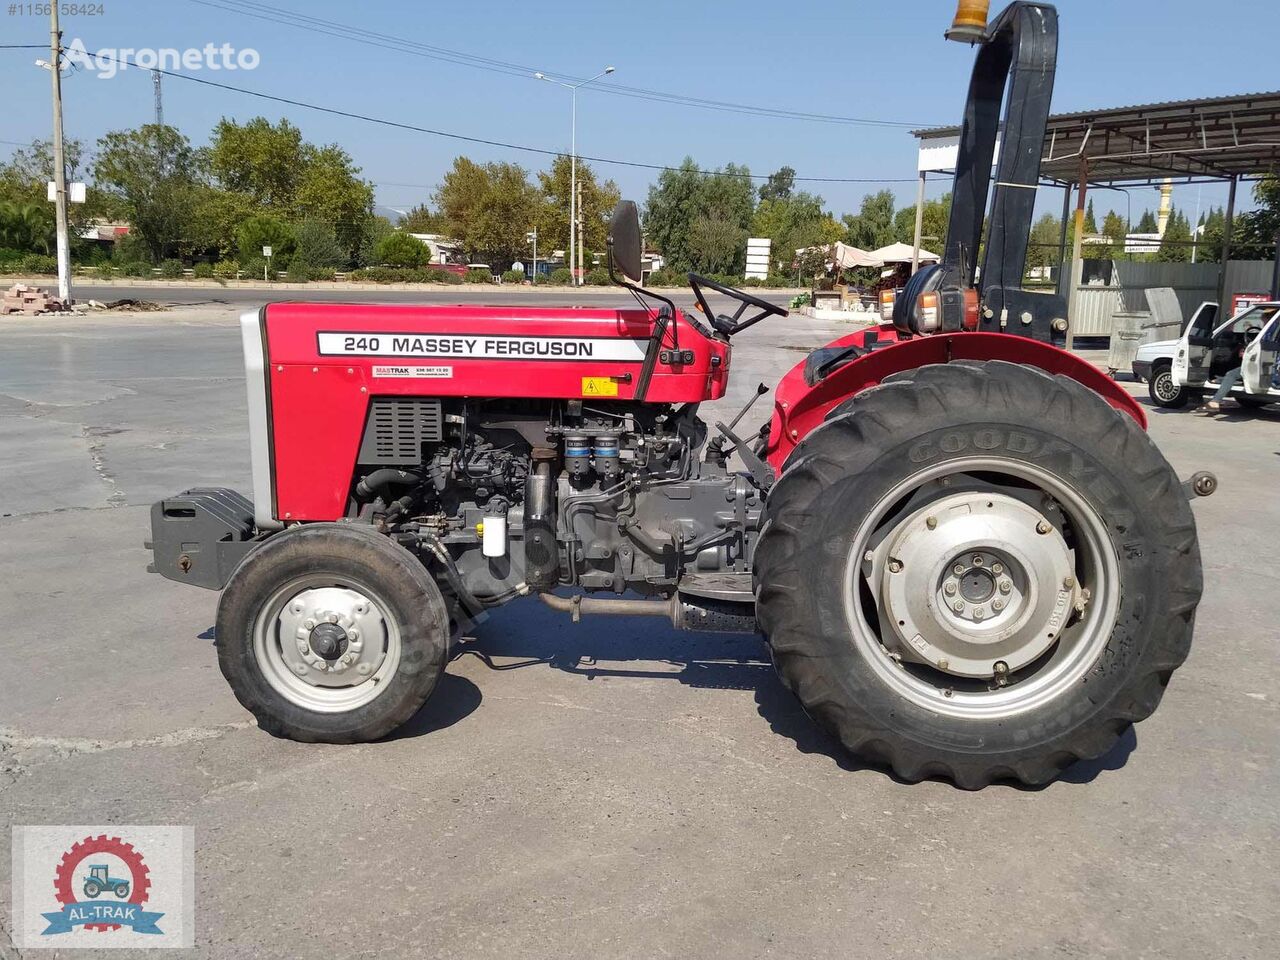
{"x": 599, "y": 387}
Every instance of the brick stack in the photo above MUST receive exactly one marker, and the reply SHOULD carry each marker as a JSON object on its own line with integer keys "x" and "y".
{"x": 28, "y": 300}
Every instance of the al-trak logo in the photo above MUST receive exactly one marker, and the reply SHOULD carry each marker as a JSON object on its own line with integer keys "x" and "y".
{"x": 102, "y": 884}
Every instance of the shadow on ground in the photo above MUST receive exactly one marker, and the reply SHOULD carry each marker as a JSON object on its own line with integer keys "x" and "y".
{"x": 527, "y": 635}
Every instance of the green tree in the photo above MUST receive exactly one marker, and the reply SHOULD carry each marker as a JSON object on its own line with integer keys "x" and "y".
{"x": 401, "y": 250}
{"x": 156, "y": 176}
{"x": 420, "y": 219}
{"x": 685, "y": 195}
{"x": 1115, "y": 230}
{"x": 598, "y": 201}
{"x": 1042, "y": 250}
{"x": 264, "y": 230}
{"x": 330, "y": 188}
{"x": 793, "y": 223}
{"x": 714, "y": 243}
{"x": 489, "y": 208}
{"x": 317, "y": 245}
{"x": 1148, "y": 223}
{"x": 1258, "y": 228}
{"x": 933, "y": 223}
{"x": 872, "y": 226}
{"x": 259, "y": 159}
{"x": 1090, "y": 221}
{"x": 274, "y": 170}
{"x": 1175, "y": 245}
{"x": 779, "y": 185}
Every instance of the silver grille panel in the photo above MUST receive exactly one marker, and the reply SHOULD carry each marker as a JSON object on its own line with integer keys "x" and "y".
{"x": 398, "y": 427}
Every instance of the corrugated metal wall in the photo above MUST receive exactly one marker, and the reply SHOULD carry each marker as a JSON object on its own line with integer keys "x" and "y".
{"x": 1193, "y": 283}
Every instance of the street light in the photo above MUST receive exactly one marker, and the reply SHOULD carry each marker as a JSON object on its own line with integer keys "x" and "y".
{"x": 573, "y": 159}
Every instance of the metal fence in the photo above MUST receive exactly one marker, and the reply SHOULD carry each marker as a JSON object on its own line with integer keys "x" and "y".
{"x": 1096, "y": 304}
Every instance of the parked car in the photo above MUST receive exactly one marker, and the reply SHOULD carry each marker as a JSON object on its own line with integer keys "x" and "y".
{"x": 1208, "y": 350}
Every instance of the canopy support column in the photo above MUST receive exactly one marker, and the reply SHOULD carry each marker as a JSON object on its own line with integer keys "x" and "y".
{"x": 1077, "y": 258}
{"x": 1224, "y": 309}
{"x": 915, "y": 246}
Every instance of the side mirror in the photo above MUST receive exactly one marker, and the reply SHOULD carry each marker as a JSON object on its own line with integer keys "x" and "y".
{"x": 624, "y": 239}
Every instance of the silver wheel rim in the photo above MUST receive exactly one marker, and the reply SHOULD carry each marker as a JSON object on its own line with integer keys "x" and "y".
{"x": 326, "y": 644}
{"x": 1164, "y": 387}
{"x": 1057, "y": 587}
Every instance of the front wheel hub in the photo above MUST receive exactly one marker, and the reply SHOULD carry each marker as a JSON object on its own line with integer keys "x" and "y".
{"x": 975, "y": 584}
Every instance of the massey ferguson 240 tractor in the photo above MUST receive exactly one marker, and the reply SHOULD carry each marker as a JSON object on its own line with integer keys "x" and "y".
{"x": 965, "y": 554}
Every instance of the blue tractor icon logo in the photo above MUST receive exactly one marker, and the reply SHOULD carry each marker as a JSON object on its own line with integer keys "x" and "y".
{"x": 98, "y": 880}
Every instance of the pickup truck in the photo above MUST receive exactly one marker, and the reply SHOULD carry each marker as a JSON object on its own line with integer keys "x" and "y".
{"x": 1178, "y": 372}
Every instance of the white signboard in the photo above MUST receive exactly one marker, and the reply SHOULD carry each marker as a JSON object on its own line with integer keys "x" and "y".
{"x": 266, "y": 251}
{"x": 479, "y": 347}
{"x": 758, "y": 257}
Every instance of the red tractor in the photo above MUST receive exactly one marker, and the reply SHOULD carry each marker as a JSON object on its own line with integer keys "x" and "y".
{"x": 967, "y": 557}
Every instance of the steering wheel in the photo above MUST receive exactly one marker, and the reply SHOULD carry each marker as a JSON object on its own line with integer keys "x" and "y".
{"x": 728, "y": 326}
{"x": 1251, "y": 332}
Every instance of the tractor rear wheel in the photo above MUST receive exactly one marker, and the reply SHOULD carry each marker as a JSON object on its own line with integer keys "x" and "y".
{"x": 978, "y": 571}
{"x": 332, "y": 633}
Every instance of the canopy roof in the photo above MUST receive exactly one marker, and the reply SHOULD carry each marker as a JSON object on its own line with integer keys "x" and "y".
{"x": 901, "y": 253}
{"x": 1212, "y": 138}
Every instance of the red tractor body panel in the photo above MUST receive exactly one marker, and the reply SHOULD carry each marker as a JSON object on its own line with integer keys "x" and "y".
{"x": 799, "y": 407}
{"x": 325, "y": 361}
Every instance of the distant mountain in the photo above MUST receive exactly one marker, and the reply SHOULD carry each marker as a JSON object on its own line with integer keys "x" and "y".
{"x": 391, "y": 213}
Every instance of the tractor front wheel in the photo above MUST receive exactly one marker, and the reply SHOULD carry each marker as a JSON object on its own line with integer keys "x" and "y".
{"x": 978, "y": 571}
{"x": 332, "y": 633}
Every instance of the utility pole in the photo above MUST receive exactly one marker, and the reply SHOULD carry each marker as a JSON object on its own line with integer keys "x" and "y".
{"x": 59, "y": 160}
{"x": 155, "y": 83}
{"x": 573, "y": 164}
{"x": 578, "y": 225}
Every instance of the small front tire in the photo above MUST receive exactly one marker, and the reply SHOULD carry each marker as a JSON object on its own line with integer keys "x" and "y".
{"x": 1162, "y": 389}
{"x": 331, "y": 633}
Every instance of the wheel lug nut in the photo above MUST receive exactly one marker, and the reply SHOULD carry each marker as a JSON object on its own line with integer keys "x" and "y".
{"x": 1068, "y": 583}
{"x": 1005, "y": 586}
{"x": 958, "y": 569}
{"x": 1044, "y": 527}
{"x": 997, "y": 568}
{"x": 895, "y": 566}
{"x": 978, "y": 613}
{"x": 333, "y": 618}
{"x": 949, "y": 589}
{"x": 997, "y": 604}
{"x": 309, "y": 624}
{"x": 977, "y": 560}
{"x": 931, "y": 522}
{"x": 958, "y": 606}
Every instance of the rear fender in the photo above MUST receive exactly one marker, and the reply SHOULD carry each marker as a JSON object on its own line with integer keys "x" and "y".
{"x": 799, "y": 408}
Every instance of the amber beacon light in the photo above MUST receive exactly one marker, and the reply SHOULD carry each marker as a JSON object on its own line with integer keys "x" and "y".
{"x": 970, "y": 23}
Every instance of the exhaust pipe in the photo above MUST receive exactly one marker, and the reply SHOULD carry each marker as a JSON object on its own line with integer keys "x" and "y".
{"x": 683, "y": 613}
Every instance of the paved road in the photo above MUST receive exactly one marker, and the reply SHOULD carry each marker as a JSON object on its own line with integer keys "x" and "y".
{"x": 612, "y": 789}
{"x": 584, "y": 296}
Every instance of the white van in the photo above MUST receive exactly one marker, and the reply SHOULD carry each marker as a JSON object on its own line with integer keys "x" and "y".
{"x": 1178, "y": 371}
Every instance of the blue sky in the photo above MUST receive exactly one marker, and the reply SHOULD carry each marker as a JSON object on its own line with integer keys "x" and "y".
{"x": 873, "y": 59}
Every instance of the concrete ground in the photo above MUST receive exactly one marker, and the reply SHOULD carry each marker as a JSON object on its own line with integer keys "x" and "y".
{"x": 611, "y": 789}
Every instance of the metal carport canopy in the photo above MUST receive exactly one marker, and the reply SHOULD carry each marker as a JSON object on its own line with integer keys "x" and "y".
{"x": 1208, "y": 139}
{"x": 1211, "y": 138}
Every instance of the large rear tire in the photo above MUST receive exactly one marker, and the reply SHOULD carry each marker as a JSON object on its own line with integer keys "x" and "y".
{"x": 332, "y": 633}
{"x": 978, "y": 571}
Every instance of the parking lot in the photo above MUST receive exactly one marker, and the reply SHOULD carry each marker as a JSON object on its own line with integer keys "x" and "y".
{"x": 607, "y": 789}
